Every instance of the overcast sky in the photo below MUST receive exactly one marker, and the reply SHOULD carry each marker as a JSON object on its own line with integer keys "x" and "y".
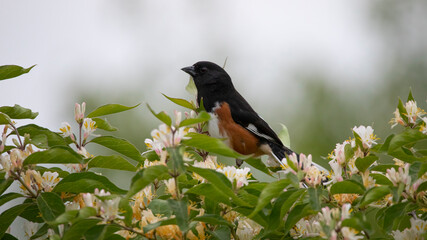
{"x": 126, "y": 45}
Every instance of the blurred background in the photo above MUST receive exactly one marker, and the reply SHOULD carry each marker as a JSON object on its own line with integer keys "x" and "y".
{"x": 320, "y": 68}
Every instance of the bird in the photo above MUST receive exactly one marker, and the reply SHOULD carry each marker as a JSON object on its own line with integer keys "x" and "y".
{"x": 232, "y": 117}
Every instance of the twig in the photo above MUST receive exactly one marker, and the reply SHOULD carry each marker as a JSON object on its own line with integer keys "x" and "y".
{"x": 17, "y": 177}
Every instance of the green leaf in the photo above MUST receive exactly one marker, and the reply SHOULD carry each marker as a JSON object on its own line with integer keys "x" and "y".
{"x": 374, "y": 194}
{"x": 384, "y": 167}
{"x": 9, "y": 197}
{"x": 144, "y": 177}
{"x": 381, "y": 179}
{"x": 78, "y": 229}
{"x": 45, "y": 138}
{"x": 4, "y": 184}
{"x": 422, "y": 187}
{"x": 348, "y": 152}
{"x": 119, "y": 145}
{"x": 180, "y": 210}
{"x": 149, "y": 227}
{"x": 258, "y": 164}
{"x": 191, "y": 87}
{"x": 42, "y": 231}
{"x": 109, "y": 109}
{"x": 220, "y": 233}
{"x": 202, "y": 117}
{"x": 8, "y": 236}
{"x": 314, "y": 198}
{"x": 160, "y": 206}
{"x": 281, "y": 206}
{"x": 72, "y": 216}
{"x": 111, "y": 162}
{"x": 162, "y": 116}
{"x": 219, "y": 181}
{"x": 58, "y": 154}
{"x": 284, "y": 136}
{"x": 11, "y": 71}
{"x": 364, "y": 163}
{"x": 358, "y": 140}
{"x": 392, "y": 213}
{"x": 358, "y": 221}
{"x": 4, "y": 119}
{"x": 32, "y": 212}
{"x": 9, "y": 215}
{"x": 210, "y": 192}
{"x": 402, "y": 111}
{"x": 176, "y": 161}
{"x": 50, "y": 206}
{"x": 410, "y": 97}
{"x": 181, "y": 102}
{"x": 409, "y": 136}
{"x": 213, "y": 219}
{"x": 18, "y": 112}
{"x": 101, "y": 231}
{"x": 269, "y": 192}
{"x": 84, "y": 182}
{"x": 347, "y": 186}
{"x": 104, "y": 125}
{"x": 298, "y": 212}
{"x": 210, "y": 144}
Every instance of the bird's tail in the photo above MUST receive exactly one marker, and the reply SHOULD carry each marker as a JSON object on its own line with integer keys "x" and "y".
{"x": 280, "y": 153}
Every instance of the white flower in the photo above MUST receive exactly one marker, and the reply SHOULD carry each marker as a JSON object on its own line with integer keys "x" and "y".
{"x": 339, "y": 152}
{"x": 366, "y": 135}
{"x": 313, "y": 176}
{"x": 350, "y": 233}
{"x": 89, "y": 126}
{"x": 241, "y": 176}
{"x": 247, "y": 229}
{"x": 50, "y": 179}
{"x": 89, "y": 199}
{"x": 30, "y": 228}
{"x": 82, "y": 151}
{"x": 336, "y": 171}
{"x": 368, "y": 181}
{"x": 109, "y": 209}
{"x": 325, "y": 216}
{"x": 72, "y": 205}
{"x": 166, "y": 136}
{"x": 402, "y": 176}
{"x": 413, "y": 111}
{"x": 154, "y": 145}
{"x": 171, "y": 187}
{"x": 79, "y": 112}
{"x": 178, "y": 117}
{"x": 209, "y": 163}
{"x": 423, "y": 128}
{"x": 345, "y": 211}
{"x": 66, "y": 130}
{"x": 415, "y": 232}
{"x": 306, "y": 228}
{"x": 397, "y": 119}
{"x": 6, "y": 164}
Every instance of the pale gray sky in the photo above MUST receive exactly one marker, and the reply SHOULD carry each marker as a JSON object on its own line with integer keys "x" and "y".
{"x": 122, "y": 45}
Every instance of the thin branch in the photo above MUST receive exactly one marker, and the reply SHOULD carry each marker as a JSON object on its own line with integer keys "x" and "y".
{"x": 17, "y": 177}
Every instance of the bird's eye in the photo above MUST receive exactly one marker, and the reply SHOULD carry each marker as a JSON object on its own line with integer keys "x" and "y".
{"x": 203, "y": 70}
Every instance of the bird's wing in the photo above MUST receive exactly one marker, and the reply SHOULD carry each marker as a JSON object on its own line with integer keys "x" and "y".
{"x": 244, "y": 115}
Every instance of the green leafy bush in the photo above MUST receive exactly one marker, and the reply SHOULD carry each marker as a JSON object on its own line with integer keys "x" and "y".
{"x": 179, "y": 190}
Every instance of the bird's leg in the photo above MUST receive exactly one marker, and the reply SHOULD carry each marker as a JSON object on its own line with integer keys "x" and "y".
{"x": 239, "y": 162}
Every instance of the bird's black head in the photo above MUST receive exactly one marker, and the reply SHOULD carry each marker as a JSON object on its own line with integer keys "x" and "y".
{"x": 208, "y": 74}
{"x": 212, "y": 81}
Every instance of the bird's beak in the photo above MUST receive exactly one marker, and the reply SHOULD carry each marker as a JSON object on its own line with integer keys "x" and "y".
{"x": 190, "y": 70}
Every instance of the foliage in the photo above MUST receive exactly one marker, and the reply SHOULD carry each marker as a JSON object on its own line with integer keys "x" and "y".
{"x": 179, "y": 190}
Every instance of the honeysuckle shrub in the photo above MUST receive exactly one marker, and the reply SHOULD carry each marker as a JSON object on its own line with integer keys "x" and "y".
{"x": 376, "y": 188}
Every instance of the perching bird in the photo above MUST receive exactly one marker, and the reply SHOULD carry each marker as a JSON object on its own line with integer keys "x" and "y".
{"x": 232, "y": 116}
